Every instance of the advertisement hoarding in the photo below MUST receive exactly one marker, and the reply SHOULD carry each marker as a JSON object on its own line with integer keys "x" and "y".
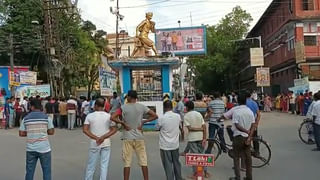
{"x": 108, "y": 82}
{"x": 182, "y": 41}
{"x": 32, "y": 91}
{"x": 263, "y": 77}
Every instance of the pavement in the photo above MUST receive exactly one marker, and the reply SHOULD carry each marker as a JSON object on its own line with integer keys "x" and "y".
{"x": 291, "y": 159}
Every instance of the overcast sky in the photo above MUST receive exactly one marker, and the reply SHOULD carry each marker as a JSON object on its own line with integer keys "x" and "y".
{"x": 166, "y": 12}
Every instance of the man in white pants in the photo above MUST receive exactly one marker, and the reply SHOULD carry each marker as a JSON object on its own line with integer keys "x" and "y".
{"x": 99, "y": 128}
{"x": 71, "y": 107}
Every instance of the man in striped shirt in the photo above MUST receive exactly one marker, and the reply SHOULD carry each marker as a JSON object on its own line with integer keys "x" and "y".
{"x": 36, "y": 126}
{"x": 216, "y": 109}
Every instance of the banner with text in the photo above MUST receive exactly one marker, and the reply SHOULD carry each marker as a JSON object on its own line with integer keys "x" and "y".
{"x": 108, "y": 82}
{"x": 28, "y": 77}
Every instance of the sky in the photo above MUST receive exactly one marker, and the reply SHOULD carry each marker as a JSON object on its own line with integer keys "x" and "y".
{"x": 166, "y": 13}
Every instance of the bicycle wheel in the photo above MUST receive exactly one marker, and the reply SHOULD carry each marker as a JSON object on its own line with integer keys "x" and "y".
{"x": 216, "y": 149}
{"x": 306, "y": 132}
{"x": 263, "y": 157}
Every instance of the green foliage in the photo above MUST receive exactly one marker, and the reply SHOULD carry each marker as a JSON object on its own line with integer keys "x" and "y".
{"x": 217, "y": 67}
{"x": 78, "y": 44}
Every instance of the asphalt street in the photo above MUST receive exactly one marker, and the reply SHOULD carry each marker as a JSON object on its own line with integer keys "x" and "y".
{"x": 291, "y": 159}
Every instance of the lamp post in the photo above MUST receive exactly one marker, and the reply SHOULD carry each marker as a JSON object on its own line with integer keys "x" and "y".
{"x": 260, "y": 46}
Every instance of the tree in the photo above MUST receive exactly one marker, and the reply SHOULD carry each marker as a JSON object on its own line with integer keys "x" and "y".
{"x": 215, "y": 70}
{"x": 77, "y": 43}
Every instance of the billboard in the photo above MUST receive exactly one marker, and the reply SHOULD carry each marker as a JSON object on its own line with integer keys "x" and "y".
{"x": 32, "y": 91}
{"x": 108, "y": 82}
{"x": 182, "y": 41}
{"x": 263, "y": 77}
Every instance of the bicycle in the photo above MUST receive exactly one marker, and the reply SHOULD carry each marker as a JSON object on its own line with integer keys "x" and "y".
{"x": 306, "y": 132}
{"x": 258, "y": 159}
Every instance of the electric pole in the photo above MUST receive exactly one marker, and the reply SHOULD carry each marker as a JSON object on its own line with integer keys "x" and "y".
{"x": 11, "y": 62}
{"x": 117, "y": 29}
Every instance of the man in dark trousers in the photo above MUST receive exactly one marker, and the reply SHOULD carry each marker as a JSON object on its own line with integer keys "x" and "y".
{"x": 36, "y": 126}
{"x": 243, "y": 126}
{"x": 168, "y": 125}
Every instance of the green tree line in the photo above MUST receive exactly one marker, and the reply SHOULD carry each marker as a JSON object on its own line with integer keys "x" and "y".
{"x": 77, "y": 43}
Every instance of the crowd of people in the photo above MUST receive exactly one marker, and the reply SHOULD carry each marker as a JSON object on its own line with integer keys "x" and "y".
{"x": 101, "y": 118}
{"x": 66, "y": 113}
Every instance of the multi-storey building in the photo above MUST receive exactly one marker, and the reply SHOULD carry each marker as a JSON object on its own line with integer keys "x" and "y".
{"x": 290, "y": 33}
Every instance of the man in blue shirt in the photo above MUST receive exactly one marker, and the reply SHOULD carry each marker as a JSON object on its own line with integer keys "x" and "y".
{"x": 253, "y": 106}
{"x": 36, "y": 126}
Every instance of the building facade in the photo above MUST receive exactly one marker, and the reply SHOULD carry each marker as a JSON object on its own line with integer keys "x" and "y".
{"x": 126, "y": 43}
{"x": 290, "y": 35}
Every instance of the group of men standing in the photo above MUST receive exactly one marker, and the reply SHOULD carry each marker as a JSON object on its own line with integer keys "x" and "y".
{"x": 99, "y": 126}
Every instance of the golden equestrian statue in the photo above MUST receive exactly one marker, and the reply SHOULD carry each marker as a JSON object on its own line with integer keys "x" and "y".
{"x": 142, "y": 42}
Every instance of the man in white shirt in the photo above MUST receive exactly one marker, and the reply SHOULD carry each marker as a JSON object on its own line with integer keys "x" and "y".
{"x": 99, "y": 128}
{"x": 196, "y": 126}
{"x": 316, "y": 121}
{"x": 71, "y": 107}
{"x": 168, "y": 125}
{"x": 243, "y": 128}
{"x": 85, "y": 109}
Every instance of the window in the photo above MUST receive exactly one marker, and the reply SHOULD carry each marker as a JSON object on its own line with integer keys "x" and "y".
{"x": 291, "y": 44}
{"x": 290, "y": 6}
{"x": 307, "y": 5}
{"x": 310, "y": 40}
{"x": 310, "y": 27}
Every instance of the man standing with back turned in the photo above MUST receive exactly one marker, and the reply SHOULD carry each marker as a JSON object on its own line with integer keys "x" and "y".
{"x": 98, "y": 127}
{"x": 133, "y": 141}
{"x": 36, "y": 126}
{"x": 242, "y": 126}
{"x": 168, "y": 125}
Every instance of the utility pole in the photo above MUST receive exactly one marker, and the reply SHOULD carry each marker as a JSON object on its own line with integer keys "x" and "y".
{"x": 117, "y": 29}
{"x": 11, "y": 61}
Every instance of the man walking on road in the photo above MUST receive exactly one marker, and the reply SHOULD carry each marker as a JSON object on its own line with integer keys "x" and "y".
{"x": 99, "y": 128}
{"x": 133, "y": 141}
{"x": 168, "y": 125}
{"x": 196, "y": 126}
{"x": 36, "y": 126}
{"x": 242, "y": 126}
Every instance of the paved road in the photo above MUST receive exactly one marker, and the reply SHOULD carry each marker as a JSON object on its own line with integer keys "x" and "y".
{"x": 291, "y": 160}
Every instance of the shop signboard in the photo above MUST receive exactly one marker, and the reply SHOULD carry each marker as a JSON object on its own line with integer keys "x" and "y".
{"x": 28, "y": 77}
{"x": 182, "y": 41}
{"x": 263, "y": 77}
{"x": 108, "y": 82}
{"x": 256, "y": 57}
{"x": 206, "y": 160}
{"x": 32, "y": 91}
